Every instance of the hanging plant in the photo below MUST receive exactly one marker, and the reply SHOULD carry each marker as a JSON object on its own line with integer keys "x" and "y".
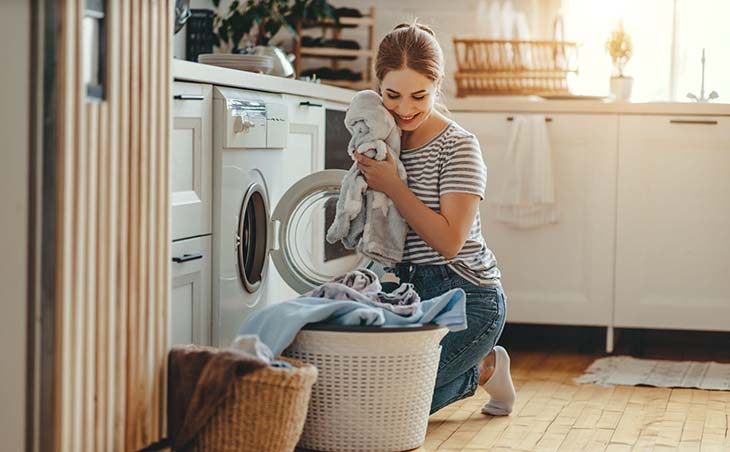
{"x": 262, "y": 19}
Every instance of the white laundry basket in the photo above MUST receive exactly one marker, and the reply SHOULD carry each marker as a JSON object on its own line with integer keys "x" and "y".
{"x": 374, "y": 389}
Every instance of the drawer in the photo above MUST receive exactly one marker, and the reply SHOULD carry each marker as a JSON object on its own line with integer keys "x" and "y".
{"x": 191, "y": 156}
{"x": 190, "y": 301}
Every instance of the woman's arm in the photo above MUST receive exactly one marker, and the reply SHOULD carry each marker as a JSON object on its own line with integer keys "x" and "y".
{"x": 445, "y": 232}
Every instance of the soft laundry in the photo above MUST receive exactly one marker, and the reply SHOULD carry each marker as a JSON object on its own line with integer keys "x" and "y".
{"x": 363, "y": 280}
{"x": 366, "y": 219}
{"x": 278, "y": 324}
{"x": 251, "y": 344}
{"x": 363, "y": 285}
{"x": 199, "y": 381}
{"x": 403, "y": 295}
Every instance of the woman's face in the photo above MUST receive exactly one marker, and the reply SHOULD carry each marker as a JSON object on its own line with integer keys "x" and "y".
{"x": 409, "y": 96}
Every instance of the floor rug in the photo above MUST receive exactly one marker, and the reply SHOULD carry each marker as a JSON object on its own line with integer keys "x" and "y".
{"x": 630, "y": 371}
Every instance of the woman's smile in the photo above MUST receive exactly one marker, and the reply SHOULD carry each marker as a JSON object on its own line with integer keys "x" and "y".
{"x": 406, "y": 120}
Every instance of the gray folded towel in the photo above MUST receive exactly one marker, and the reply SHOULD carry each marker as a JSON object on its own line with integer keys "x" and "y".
{"x": 366, "y": 219}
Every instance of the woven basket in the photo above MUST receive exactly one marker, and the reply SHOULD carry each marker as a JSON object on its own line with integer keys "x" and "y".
{"x": 265, "y": 412}
{"x": 374, "y": 388}
{"x": 487, "y": 66}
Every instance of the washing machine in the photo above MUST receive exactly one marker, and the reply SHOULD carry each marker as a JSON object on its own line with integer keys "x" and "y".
{"x": 271, "y": 210}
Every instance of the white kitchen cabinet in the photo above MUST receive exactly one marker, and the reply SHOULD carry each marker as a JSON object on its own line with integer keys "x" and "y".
{"x": 673, "y": 223}
{"x": 560, "y": 273}
{"x": 191, "y": 293}
{"x": 190, "y": 160}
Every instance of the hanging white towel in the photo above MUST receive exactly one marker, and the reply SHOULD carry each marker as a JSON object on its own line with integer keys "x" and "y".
{"x": 527, "y": 198}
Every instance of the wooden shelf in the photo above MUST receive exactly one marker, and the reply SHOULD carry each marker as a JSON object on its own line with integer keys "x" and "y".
{"x": 335, "y": 55}
{"x": 360, "y": 84}
{"x": 364, "y": 20}
{"x": 329, "y": 52}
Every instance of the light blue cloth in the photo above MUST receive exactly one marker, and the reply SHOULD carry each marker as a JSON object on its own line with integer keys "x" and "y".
{"x": 278, "y": 324}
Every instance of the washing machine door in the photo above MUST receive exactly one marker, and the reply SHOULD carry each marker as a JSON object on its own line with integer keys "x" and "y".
{"x": 303, "y": 257}
{"x": 252, "y": 237}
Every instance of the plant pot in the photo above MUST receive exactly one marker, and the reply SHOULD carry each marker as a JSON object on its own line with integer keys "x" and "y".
{"x": 621, "y": 87}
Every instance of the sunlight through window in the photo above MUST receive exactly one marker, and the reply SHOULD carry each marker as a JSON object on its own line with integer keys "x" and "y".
{"x": 668, "y": 37}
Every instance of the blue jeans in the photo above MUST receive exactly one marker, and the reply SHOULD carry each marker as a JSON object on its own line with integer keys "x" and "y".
{"x": 461, "y": 351}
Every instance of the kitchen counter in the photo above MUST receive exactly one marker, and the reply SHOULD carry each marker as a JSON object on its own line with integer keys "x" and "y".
{"x": 533, "y": 104}
{"x": 203, "y": 73}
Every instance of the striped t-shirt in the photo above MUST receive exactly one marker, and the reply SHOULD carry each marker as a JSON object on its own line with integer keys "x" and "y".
{"x": 451, "y": 162}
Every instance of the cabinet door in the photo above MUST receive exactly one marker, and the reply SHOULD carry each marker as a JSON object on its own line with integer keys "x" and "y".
{"x": 190, "y": 296}
{"x": 190, "y": 160}
{"x": 559, "y": 273}
{"x": 673, "y": 228}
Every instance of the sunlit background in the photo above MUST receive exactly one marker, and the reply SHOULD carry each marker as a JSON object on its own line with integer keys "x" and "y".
{"x": 668, "y": 37}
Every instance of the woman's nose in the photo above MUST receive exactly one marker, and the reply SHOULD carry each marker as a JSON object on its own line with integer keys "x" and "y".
{"x": 404, "y": 107}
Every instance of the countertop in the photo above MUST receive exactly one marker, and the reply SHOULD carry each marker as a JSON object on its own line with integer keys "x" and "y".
{"x": 202, "y": 73}
{"x": 533, "y": 104}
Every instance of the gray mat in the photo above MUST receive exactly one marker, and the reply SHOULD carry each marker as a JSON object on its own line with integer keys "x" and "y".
{"x": 626, "y": 370}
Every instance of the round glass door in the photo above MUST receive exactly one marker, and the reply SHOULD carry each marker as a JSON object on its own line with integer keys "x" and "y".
{"x": 304, "y": 258}
{"x": 252, "y": 237}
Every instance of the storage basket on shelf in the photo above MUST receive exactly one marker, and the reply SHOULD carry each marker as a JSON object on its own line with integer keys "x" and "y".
{"x": 374, "y": 388}
{"x": 264, "y": 413}
{"x": 488, "y": 66}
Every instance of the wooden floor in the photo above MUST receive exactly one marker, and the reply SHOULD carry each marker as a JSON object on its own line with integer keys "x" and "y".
{"x": 553, "y": 413}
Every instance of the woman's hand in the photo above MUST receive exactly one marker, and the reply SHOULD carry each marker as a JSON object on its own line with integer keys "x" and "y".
{"x": 381, "y": 175}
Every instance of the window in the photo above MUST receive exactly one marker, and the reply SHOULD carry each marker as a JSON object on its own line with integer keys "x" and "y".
{"x": 668, "y": 37}
{"x": 702, "y": 24}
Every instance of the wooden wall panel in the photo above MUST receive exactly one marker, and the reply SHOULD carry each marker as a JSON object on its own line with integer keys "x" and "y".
{"x": 113, "y": 261}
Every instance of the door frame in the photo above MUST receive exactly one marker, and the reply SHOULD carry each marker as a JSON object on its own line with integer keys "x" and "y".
{"x": 42, "y": 242}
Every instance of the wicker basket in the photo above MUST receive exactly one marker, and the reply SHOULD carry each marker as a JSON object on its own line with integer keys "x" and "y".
{"x": 374, "y": 388}
{"x": 487, "y": 66}
{"x": 265, "y": 412}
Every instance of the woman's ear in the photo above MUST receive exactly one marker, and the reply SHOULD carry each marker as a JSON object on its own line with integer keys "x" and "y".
{"x": 439, "y": 86}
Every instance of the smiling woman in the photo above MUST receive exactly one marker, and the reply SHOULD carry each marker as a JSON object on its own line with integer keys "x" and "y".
{"x": 444, "y": 247}
{"x": 407, "y": 108}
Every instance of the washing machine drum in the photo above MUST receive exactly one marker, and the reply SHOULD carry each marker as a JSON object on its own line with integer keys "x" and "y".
{"x": 294, "y": 235}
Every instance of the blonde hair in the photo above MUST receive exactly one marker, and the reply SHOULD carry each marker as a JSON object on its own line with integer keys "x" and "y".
{"x": 414, "y": 46}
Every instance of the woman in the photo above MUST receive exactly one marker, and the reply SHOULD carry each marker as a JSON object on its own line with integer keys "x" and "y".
{"x": 444, "y": 247}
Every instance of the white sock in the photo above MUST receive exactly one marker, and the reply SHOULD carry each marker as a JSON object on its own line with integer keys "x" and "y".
{"x": 499, "y": 386}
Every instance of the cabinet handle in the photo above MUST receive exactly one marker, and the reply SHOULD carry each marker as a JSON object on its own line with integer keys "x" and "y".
{"x": 187, "y": 258}
{"x": 309, "y": 104}
{"x": 547, "y": 118}
{"x": 692, "y": 121}
{"x": 188, "y": 97}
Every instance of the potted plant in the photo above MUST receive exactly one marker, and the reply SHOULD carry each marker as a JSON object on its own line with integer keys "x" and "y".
{"x": 260, "y": 20}
{"x": 620, "y": 49}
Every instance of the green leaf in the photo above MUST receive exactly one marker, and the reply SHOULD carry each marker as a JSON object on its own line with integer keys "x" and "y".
{"x": 223, "y": 32}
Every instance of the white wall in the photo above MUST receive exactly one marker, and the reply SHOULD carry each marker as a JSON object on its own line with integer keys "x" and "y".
{"x": 14, "y": 80}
